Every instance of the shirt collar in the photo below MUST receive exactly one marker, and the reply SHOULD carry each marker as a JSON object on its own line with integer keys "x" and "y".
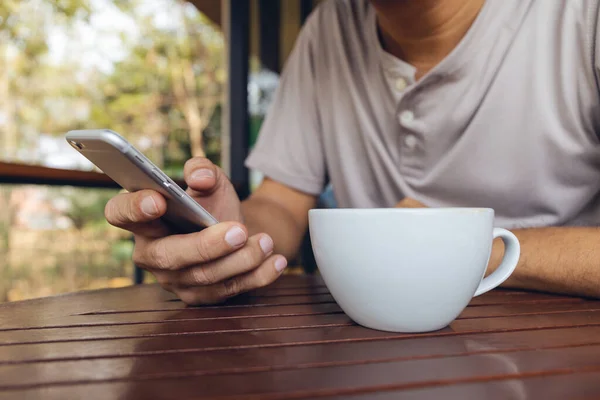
{"x": 493, "y": 15}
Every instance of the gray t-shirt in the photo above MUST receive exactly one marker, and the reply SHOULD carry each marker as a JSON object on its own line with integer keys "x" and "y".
{"x": 509, "y": 120}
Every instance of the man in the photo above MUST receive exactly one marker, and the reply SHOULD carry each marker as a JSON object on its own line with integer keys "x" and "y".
{"x": 422, "y": 103}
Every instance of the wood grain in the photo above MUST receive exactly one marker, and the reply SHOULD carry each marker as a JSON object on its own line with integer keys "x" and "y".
{"x": 322, "y": 381}
{"x": 252, "y": 359}
{"x": 291, "y": 340}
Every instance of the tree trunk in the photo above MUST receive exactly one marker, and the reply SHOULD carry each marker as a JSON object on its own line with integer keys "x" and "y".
{"x": 7, "y": 217}
{"x": 196, "y": 109}
{"x": 192, "y": 111}
{"x": 7, "y": 104}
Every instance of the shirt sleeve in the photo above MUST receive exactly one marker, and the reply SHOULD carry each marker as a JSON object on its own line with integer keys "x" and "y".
{"x": 594, "y": 39}
{"x": 289, "y": 145}
{"x": 592, "y": 36}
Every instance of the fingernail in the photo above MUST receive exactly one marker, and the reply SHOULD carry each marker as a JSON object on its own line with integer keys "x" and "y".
{"x": 148, "y": 206}
{"x": 280, "y": 264}
{"x": 235, "y": 236}
{"x": 266, "y": 244}
{"x": 202, "y": 174}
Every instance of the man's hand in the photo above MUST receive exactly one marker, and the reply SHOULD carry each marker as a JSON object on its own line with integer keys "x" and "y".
{"x": 555, "y": 259}
{"x": 204, "y": 267}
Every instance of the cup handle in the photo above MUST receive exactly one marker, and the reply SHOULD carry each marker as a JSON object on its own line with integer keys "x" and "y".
{"x": 512, "y": 251}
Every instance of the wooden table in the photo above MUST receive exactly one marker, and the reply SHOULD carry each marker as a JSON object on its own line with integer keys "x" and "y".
{"x": 291, "y": 341}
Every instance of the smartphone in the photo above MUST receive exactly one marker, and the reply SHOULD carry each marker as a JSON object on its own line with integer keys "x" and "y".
{"x": 133, "y": 171}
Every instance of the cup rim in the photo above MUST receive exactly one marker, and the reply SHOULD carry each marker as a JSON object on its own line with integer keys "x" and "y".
{"x": 395, "y": 210}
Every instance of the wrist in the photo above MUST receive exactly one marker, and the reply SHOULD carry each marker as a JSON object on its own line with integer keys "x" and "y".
{"x": 496, "y": 255}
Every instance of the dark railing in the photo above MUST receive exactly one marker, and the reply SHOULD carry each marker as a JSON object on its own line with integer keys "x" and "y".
{"x": 30, "y": 174}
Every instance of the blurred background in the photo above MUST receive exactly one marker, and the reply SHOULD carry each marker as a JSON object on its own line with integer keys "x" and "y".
{"x": 177, "y": 78}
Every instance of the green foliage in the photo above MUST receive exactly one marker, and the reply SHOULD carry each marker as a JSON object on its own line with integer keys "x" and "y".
{"x": 121, "y": 250}
{"x": 165, "y": 90}
{"x": 86, "y": 207}
{"x": 72, "y": 8}
{"x": 149, "y": 94}
{"x": 163, "y": 94}
{"x": 23, "y": 22}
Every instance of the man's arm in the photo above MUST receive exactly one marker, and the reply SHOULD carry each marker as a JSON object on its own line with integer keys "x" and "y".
{"x": 562, "y": 260}
{"x": 281, "y": 212}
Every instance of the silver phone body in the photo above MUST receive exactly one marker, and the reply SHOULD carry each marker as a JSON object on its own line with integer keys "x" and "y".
{"x": 133, "y": 171}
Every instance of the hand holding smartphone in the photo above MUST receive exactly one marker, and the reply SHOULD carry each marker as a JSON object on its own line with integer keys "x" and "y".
{"x": 133, "y": 171}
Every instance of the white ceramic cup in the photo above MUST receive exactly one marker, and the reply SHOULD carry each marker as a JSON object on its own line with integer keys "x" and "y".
{"x": 408, "y": 269}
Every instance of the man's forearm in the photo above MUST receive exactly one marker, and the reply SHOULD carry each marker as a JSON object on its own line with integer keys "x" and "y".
{"x": 262, "y": 215}
{"x": 555, "y": 259}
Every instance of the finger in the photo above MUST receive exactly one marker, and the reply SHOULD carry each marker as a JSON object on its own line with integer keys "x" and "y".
{"x": 201, "y": 175}
{"x": 138, "y": 212}
{"x": 175, "y": 252}
{"x": 408, "y": 202}
{"x": 164, "y": 279}
{"x": 249, "y": 257}
{"x": 262, "y": 276}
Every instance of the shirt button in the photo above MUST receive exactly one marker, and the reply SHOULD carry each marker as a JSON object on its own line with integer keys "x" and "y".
{"x": 410, "y": 141}
{"x": 406, "y": 117}
{"x": 401, "y": 84}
